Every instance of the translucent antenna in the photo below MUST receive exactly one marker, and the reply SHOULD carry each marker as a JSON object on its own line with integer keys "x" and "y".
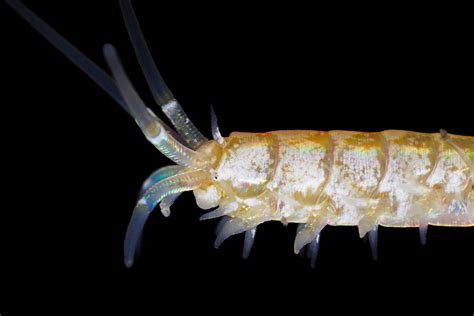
{"x": 160, "y": 91}
{"x": 157, "y": 176}
{"x": 99, "y": 76}
{"x": 158, "y": 87}
{"x": 72, "y": 53}
{"x": 185, "y": 181}
{"x": 145, "y": 118}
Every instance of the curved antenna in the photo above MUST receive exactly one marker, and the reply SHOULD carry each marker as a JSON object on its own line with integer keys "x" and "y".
{"x": 99, "y": 76}
{"x": 145, "y": 118}
{"x": 186, "y": 181}
{"x": 158, "y": 87}
{"x": 157, "y": 176}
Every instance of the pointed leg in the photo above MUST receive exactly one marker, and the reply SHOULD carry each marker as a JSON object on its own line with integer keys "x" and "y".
{"x": 299, "y": 227}
{"x": 235, "y": 226}
{"x": 248, "y": 243}
{"x": 231, "y": 227}
{"x": 313, "y": 251}
{"x": 220, "y": 211}
{"x": 307, "y": 234}
{"x": 221, "y": 224}
{"x": 373, "y": 240}
{"x": 301, "y": 252}
{"x": 365, "y": 225}
{"x": 423, "y": 232}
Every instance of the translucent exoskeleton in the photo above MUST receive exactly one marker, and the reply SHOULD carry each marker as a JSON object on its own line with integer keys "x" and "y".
{"x": 314, "y": 179}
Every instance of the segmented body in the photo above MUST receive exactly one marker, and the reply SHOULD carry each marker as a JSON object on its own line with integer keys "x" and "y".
{"x": 392, "y": 178}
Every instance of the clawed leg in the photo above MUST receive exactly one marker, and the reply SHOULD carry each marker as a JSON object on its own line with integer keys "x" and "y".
{"x": 373, "y": 240}
{"x": 423, "y": 232}
{"x": 247, "y": 221}
{"x": 221, "y": 224}
{"x": 220, "y": 211}
{"x": 298, "y": 229}
{"x": 313, "y": 250}
{"x": 309, "y": 234}
{"x": 235, "y": 226}
{"x": 248, "y": 243}
{"x": 367, "y": 227}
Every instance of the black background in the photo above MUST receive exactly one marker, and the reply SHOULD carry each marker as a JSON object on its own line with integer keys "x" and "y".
{"x": 74, "y": 161}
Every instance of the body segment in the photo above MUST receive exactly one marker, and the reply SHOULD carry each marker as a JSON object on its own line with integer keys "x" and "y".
{"x": 391, "y": 178}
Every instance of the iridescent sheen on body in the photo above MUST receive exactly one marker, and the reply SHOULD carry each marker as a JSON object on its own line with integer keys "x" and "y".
{"x": 392, "y": 178}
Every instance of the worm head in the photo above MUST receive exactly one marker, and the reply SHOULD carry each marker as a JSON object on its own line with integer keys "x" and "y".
{"x": 240, "y": 168}
{"x": 247, "y": 164}
{"x": 209, "y": 193}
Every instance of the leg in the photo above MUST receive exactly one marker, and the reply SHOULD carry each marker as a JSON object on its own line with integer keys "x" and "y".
{"x": 373, "y": 240}
{"x": 248, "y": 243}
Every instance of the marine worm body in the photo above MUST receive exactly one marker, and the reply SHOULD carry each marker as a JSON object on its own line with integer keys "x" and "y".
{"x": 392, "y": 178}
{"x": 314, "y": 179}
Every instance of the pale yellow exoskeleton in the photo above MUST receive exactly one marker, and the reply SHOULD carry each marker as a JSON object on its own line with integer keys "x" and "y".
{"x": 390, "y": 178}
